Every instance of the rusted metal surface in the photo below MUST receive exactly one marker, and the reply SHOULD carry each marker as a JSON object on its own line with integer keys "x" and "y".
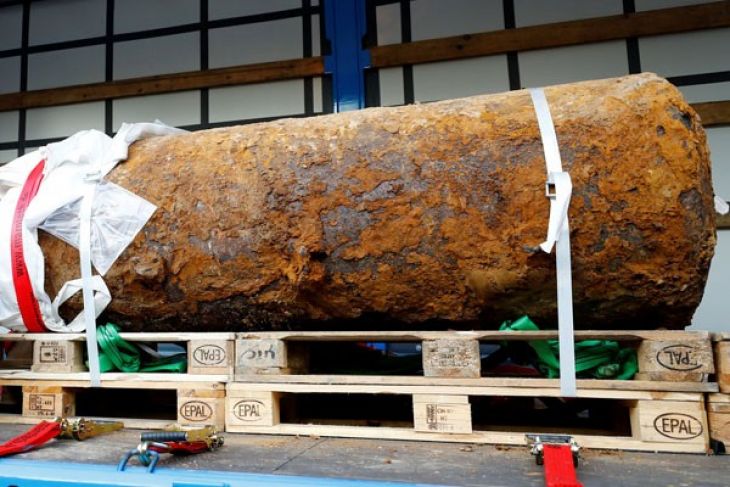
{"x": 419, "y": 216}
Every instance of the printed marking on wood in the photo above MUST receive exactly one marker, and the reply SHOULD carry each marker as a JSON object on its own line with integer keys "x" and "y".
{"x": 678, "y": 426}
{"x": 196, "y": 411}
{"x": 52, "y": 353}
{"x": 248, "y": 410}
{"x": 209, "y": 354}
{"x": 42, "y": 404}
{"x": 678, "y": 357}
{"x": 255, "y": 353}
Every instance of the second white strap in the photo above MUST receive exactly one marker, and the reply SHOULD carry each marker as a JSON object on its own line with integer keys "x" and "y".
{"x": 559, "y": 190}
{"x": 87, "y": 285}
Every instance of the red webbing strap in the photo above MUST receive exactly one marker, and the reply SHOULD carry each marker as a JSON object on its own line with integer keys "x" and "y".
{"x": 41, "y": 433}
{"x": 559, "y": 467}
{"x": 27, "y": 302}
{"x": 182, "y": 447}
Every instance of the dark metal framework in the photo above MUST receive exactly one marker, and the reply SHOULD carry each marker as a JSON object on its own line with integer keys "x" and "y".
{"x": 203, "y": 26}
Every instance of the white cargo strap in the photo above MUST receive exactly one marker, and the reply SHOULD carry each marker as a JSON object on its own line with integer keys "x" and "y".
{"x": 86, "y": 280}
{"x": 559, "y": 188}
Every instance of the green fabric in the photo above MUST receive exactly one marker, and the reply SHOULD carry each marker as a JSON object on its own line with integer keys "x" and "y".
{"x": 117, "y": 354}
{"x": 600, "y": 359}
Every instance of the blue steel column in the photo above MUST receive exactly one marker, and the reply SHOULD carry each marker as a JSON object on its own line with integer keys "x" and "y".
{"x": 345, "y": 26}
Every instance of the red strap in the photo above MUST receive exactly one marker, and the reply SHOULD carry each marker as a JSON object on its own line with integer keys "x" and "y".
{"x": 41, "y": 433}
{"x": 182, "y": 447}
{"x": 27, "y": 302}
{"x": 559, "y": 466}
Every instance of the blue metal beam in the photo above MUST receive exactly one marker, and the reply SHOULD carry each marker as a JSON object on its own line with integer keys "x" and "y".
{"x": 345, "y": 27}
{"x": 29, "y": 473}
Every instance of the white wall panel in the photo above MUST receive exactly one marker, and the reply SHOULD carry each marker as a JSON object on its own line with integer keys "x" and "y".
{"x": 7, "y": 155}
{"x": 255, "y": 43}
{"x": 535, "y": 12}
{"x": 316, "y": 41}
{"x": 136, "y": 15}
{"x": 719, "y": 140}
{"x": 455, "y": 79}
{"x": 391, "y": 86}
{"x": 172, "y": 108}
{"x": 713, "y": 311}
{"x": 63, "y": 68}
{"x": 9, "y": 74}
{"x": 574, "y": 63}
{"x": 689, "y": 53}
{"x": 431, "y": 19}
{"x": 11, "y": 26}
{"x": 8, "y": 126}
{"x": 317, "y": 98}
{"x": 656, "y": 4}
{"x": 388, "y": 24}
{"x": 257, "y": 101}
{"x": 66, "y": 20}
{"x": 62, "y": 121}
{"x": 221, "y": 9}
{"x": 161, "y": 55}
{"x": 708, "y": 92}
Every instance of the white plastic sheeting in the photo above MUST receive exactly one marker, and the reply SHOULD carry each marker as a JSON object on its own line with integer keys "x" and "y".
{"x": 74, "y": 170}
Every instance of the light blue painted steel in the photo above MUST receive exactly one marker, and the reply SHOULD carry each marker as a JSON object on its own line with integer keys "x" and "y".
{"x": 345, "y": 27}
{"x": 30, "y": 473}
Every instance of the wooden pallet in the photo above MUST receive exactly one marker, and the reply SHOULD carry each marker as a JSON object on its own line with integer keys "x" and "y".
{"x": 208, "y": 353}
{"x": 666, "y": 356}
{"x": 196, "y": 402}
{"x": 718, "y": 416}
{"x": 659, "y": 421}
{"x": 722, "y": 360}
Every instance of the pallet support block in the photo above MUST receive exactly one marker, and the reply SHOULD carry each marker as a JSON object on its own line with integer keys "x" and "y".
{"x": 675, "y": 361}
{"x": 48, "y": 402}
{"x": 58, "y": 356}
{"x": 718, "y": 417}
{"x": 265, "y": 356}
{"x": 451, "y": 358}
{"x": 210, "y": 357}
{"x": 251, "y": 408}
{"x": 442, "y": 414}
{"x": 679, "y": 422}
{"x": 201, "y": 407}
{"x": 722, "y": 365}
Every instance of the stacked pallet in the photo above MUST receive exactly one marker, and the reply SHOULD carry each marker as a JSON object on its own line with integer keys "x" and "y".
{"x": 718, "y": 404}
{"x": 665, "y": 403}
{"x": 57, "y": 381}
{"x": 273, "y": 383}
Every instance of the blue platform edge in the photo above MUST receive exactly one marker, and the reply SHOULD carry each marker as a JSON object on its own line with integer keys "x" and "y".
{"x": 33, "y": 473}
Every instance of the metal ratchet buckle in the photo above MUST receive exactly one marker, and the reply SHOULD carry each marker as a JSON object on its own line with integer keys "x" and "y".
{"x": 536, "y": 442}
{"x": 81, "y": 429}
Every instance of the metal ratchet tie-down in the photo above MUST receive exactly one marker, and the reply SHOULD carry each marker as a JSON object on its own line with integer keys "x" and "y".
{"x": 175, "y": 442}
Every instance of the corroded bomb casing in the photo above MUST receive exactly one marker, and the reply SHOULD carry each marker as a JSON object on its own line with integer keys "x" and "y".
{"x": 419, "y": 216}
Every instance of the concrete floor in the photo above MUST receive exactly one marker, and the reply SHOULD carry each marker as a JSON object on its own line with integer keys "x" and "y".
{"x": 434, "y": 463}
